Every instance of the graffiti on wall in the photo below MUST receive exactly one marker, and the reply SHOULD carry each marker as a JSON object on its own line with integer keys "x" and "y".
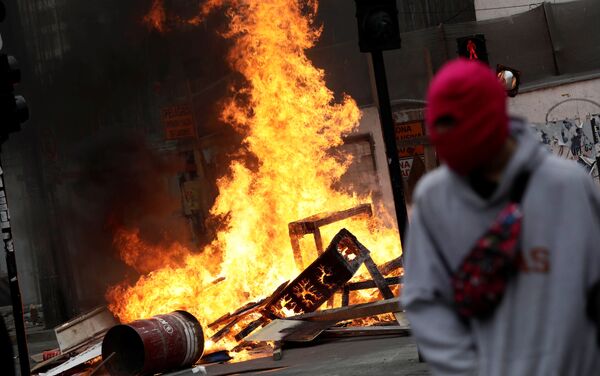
{"x": 572, "y": 139}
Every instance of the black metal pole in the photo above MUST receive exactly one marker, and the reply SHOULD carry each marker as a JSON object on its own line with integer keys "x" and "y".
{"x": 15, "y": 292}
{"x": 389, "y": 139}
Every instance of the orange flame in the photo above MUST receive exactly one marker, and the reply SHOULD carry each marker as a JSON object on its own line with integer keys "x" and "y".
{"x": 289, "y": 121}
{"x": 157, "y": 16}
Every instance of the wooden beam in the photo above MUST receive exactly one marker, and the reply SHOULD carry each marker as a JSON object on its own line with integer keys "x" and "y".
{"x": 366, "y": 331}
{"x": 378, "y": 278}
{"x": 391, "y": 265}
{"x": 369, "y": 284}
{"x": 353, "y": 311}
{"x": 308, "y": 225}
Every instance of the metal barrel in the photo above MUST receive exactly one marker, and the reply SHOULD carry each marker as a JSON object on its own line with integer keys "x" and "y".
{"x": 157, "y": 344}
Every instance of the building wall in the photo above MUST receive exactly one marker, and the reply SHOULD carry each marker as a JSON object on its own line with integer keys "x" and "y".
{"x": 369, "y": 124}
{"x": 534, "y": 105}
{"x": 489, "y": 9}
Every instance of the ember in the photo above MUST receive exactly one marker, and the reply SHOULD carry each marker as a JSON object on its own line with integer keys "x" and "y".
{"x": 289, "y": 121}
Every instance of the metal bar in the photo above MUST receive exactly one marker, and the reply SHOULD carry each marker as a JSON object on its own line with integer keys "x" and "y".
{"x": 13, "y": 280}
{"x": 389, "y": 139}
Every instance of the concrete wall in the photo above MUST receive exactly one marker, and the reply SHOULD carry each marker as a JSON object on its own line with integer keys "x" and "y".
{"x": 488, "y": 9}
{"x": 369, "y": 123}
{"x": 534, "y": 105}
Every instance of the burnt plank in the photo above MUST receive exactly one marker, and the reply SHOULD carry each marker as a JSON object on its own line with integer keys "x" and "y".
{"x": 353, "y": 311}
{"x": 308, "y": 225}
{"x": 294, "y": 240}
{"x": 378, "y": 278}
{"x": 242, "y": 311}
{"x": 250, "y": 328}
{"x": 346, "y": 295}
{"x": 365, "y": 331}
{"x": 391, "y": 265}
{"x": 370, "y": 284}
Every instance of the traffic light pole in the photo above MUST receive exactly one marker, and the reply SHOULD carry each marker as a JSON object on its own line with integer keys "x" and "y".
{"x": 389, "y": 139}
{"x": 13, "y": 280}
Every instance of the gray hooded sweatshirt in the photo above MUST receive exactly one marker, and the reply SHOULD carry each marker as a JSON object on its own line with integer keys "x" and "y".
{"x": 541, "y": 326}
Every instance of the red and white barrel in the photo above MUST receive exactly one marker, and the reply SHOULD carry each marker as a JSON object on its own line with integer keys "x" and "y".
{"x": 157, "y": 344}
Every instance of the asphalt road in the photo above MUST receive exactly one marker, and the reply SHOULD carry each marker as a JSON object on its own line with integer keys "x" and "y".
{"x": 344, "y": 357}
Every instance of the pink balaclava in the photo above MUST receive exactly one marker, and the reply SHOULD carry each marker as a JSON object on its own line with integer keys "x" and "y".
{"x": 470, "y": 94}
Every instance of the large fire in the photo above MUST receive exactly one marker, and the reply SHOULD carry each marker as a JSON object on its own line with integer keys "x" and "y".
{"x": 289, "y": 121}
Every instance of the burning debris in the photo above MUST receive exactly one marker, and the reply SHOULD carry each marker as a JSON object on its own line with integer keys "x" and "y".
{"x": 289, "y": 121}
{"x": 176, "y": 340}
{"x": 328, "y": 274}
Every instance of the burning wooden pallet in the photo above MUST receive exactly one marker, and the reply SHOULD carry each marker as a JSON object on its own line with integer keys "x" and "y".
{"x": 328, "y": 274}
{"x": 312, "y": 225}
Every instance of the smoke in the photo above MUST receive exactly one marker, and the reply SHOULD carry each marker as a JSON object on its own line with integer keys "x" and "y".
{"x": 120, "y": 184}
{"x": 129, "y": 184}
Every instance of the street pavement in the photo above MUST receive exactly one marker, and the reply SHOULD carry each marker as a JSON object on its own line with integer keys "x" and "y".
{"x": 391, "y": 355}
{"x": 359, "y": 356}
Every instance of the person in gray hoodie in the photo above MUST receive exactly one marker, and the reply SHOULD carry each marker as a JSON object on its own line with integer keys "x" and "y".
{"x": 540, "y": 326}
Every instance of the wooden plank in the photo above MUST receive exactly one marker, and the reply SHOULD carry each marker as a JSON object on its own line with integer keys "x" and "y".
{"x": 77, "y": 360}
{"x": 353, "y": 311}
{"x": 84, "y": 328}
{"x": 250, "y": 328}
{"x": 366, "y": 331}
{"x": 309, "y": 224}
{"x": 370, "y": 284}
{"x": 346, "y": 295}
{"x": 249, "y": 308}
{"x": 290, "y": 331}
{"x": 391, "y": 265}
{"x": 318, "y": 241}
{"x": 294, "y": 240}
{"x": 378, "y": 279}
{"x": 225, "y": 330}
{"x": 243, "y": 311}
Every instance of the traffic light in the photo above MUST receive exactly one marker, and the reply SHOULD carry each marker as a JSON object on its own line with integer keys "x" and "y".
{"x": 378, "y": 27}
{"x": 473, "y": 48}
{"x": 13, "y": 109}
{"x": 510, "y": 78}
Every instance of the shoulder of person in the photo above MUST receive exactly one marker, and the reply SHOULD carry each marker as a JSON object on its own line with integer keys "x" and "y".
{"x": 433, "y": 183}
{"x": 556, "y": 170}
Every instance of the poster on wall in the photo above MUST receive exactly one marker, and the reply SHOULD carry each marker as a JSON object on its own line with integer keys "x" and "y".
{"x": 178, "y": 121}
{"x": 573, "y": 139}
{"x": 405, "y": 133}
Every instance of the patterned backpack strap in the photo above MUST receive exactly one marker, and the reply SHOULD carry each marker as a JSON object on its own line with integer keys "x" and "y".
{"x": 480, "y": 282}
